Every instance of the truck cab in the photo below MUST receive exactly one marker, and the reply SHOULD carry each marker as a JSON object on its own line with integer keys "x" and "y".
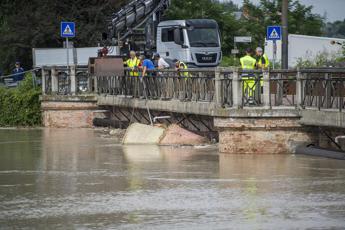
{"x": 195, "y": 41}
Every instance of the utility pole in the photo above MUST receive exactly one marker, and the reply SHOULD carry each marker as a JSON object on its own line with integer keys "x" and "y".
{"x": 285, "y": 40}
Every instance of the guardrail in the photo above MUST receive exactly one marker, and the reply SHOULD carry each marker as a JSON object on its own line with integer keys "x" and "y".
{"x": 63, "y": 81}
{"x": 191, "y": 85}
{"x": 226, "y": 87}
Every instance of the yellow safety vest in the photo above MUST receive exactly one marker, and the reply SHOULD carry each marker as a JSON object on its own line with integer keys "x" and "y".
{"x": 132, "y": 63}
{"x": 184, "y": 66}
{"x": 247, "y": 62}
{"x": 263, "y": 61}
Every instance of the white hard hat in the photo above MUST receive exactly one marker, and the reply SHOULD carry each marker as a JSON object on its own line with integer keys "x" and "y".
{"x": 259, "y": 49}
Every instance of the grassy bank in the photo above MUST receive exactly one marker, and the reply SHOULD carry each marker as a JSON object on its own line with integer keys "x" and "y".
{"x": 20, "y": 106}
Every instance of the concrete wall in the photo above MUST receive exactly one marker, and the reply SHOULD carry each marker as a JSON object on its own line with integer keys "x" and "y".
{"x": 323, "y": 118}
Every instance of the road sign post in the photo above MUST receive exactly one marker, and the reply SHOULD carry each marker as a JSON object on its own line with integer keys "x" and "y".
{"x": 240, "y": 39}
{"x": 274, "y": 33}
{"x": 67, "y": 30}
{"x": 274, "y": 53}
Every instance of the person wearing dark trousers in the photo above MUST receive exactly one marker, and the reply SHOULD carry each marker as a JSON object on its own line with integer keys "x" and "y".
{"x": 18, "y": 73}
{"x": 147, "y": 76}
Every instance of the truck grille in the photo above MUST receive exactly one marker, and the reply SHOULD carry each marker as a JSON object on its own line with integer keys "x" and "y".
{"x": 206, "y": 58}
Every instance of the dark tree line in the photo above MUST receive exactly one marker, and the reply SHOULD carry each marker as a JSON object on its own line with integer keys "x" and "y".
{"x": 335, "y": 29}
{"x": 36, "y": 23}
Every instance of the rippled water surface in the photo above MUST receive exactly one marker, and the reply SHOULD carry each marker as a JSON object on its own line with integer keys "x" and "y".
{"x": 76, "y": 179}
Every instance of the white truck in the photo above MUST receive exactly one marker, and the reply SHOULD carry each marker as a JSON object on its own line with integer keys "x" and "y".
{"x": 194, "y": 41}
{"x": 138, "y": 26}
{"x": 306, "y": 48}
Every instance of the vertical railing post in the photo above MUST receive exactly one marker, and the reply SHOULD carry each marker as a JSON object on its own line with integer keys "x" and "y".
{"x": 44, "y": 79}
{"x": 89, "y": 83}
{"x": 280, "y": 89}
{"x": 266, "y": 89}
{"x": 328, "y": 91}
{"x": 236, "y": 89}
{"x": 218, "y": 87}
{"x": 95, "y": 84}
{"x": 299, "y": 89}
{"x": 55, "y": 80}
{"x": 73, "y": 79}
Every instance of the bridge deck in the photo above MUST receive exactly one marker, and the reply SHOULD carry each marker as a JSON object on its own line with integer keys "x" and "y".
{"x": 317, "y": 96}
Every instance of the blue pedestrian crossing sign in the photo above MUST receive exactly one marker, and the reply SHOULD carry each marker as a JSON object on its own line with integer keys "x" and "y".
{"x": 67, "y": 29}
{"x": 274, "y": 33}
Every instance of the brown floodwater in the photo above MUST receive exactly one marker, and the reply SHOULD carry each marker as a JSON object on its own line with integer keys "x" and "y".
{"x": 79, "y": 179}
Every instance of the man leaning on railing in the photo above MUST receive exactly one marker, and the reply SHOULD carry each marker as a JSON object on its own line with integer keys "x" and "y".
{"x": 162, "y": 81}
{"x": 147, "y": 67}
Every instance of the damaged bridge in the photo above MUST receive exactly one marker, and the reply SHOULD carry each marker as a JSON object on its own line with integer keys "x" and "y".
{"x": 279, "y": 110}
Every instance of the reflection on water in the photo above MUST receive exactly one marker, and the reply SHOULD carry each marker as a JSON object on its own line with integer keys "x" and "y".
{"x": 74, "y": 179}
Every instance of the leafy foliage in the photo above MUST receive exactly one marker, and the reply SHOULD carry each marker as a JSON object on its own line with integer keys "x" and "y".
{"x": 254, "y": 21}
{"x": 335, "y": 29}
{"x": 322, "y": 59}
{"x": 20, "y": 106}
{"x": 268, "y": 12}
{"x": 221, "y": 12}
{"x": 229, "y": 61}
{"x": 36, "y": 23}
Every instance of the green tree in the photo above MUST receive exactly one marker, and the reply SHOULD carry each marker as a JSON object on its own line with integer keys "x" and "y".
{"x": 256, "y": 18}
{"x": 221, "y": 12}
{"x": 36, "y": 23}
{"x": 335, "y": 29}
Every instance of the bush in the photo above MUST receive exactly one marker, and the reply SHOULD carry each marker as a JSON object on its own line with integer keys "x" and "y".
{"x": 322, "y": 59}
{"x": 20, "y": 106}
{"x": 230, "y": 61}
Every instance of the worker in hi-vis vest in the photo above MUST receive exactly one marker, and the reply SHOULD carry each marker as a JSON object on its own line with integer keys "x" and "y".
{"x": 248, "y": 63}
{"x": 179, "y": 65}
{"x": 185, "y": 87}
{"x": 262, "y": 61}
{"x": 133, "y": 63}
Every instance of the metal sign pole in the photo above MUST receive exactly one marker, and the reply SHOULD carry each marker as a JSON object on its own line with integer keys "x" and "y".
{"x": 274, "y": 53}
{"x": 235, "y": 47}
{"x": 67, "y": 48}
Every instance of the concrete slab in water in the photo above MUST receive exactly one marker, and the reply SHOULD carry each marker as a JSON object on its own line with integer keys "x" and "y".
{"x": 143, "y": 134}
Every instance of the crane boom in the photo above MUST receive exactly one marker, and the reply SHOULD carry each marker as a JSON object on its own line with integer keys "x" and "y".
{"x": 137, "y": 19}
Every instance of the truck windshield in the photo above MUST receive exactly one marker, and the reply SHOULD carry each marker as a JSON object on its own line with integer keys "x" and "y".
{"x": 203, "y": 37}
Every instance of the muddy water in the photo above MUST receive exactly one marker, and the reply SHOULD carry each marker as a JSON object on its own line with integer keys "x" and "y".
{"x": 76, "y": 179}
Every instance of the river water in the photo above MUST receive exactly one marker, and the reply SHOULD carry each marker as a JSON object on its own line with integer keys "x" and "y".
{"x": 79, "y": 179}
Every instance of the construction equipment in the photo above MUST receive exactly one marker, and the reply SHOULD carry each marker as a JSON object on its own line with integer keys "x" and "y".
{"x": 138, "y": 26}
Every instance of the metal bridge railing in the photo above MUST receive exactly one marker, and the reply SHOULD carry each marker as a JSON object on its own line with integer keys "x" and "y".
{"x": 226, "y": 87}
{"x": 190, "y": 85}
{"x": 283, "y": 88}
{"x": 323, "y": 89}
{"x": 62, "y": 81}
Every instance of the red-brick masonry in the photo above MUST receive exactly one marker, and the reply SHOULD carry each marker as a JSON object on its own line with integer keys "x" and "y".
{"x": 69, "y": 114}
{"x": 262, "y": 135}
